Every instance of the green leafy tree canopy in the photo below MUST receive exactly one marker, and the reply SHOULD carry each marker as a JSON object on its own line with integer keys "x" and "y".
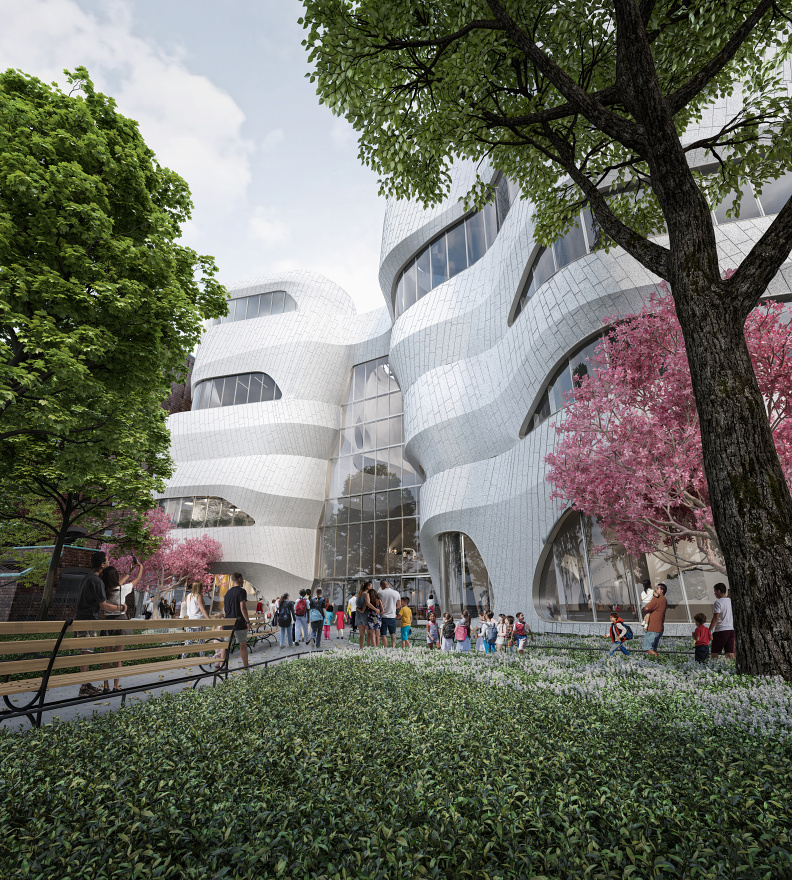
{"x": 97, "y": 296}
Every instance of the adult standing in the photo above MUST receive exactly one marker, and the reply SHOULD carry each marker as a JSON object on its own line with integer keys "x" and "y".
{"x": 316, "y": 615}
{"x": 235, "y": 605}
{"x": 285, "y": 619}
{"x": 388, "y": 597}
{"x": 195, "y": 608}
{"x": 148, "y": 608}
{"x": 302, "y": 630}
{"x": 91, "y": 599}
{"x": 722, "y": 625}
{"x": 351, "y": 613}
{"x": 361, "y": 614}
{"x": 113, "y": 585}
{"x": 374, "y": 611}
{"x": 656, "y": 610}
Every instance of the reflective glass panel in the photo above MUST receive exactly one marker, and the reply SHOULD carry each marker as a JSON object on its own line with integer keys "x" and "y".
{"x": 198, "y": 512}
{"x": 277, "y": 302}
{"x": 592, "y": 228}
{"x": 359, "y": 380}
{"x": 289, "y": 305}
{"x": 256, "y": 388}
{"x": 353, "y": 550}
{"x": 571, "y": 247}
{"x": 265, "y": 305}
{"x": 242, "y": 387}
{"x": 395, "y": 403}
{"x": 409, "y": 286}
{"x": 698, "y": 578}
{"x": 423, "y": 277}
{"x": 382, "y": 406}
{"x": 457, "y": 250}
{"x": 439, "y": 260}
{"x": 490, "y": 223}
{"x": 328, "y": 552}
{"x": 610, "y": 572}
{"x": 367, "y": 547}
{"x": 367, "y": 508}
{"x": 341, "y": 546}
{"x": 232, "y": 304}
{"x": 383, "y": 434}
{"x": 185, "y": 514}
{"x": 229, "y": 391}
{"x": 213, "y": 512}
{"x": 215, "y": 390}
{"x": 661, "y": 567}
{"x": 776, "y": 193}
{"x": 226, "y": 514}
{"x": 570, "y": 571}
{"x": 395, "y": 437}
{"x": 476, "y": 237}
{"x": 267, "y": 388}
{"x": 201, "y": 392}
{"x": 381, "y": 547}
{"x": 561, "y": 386}
{"x": 395, "y": 503}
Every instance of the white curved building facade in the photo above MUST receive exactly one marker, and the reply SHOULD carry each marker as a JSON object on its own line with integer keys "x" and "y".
{"x": 437, "y": 482}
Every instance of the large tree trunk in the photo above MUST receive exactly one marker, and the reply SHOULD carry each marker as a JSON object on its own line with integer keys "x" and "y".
{"x": 751, "y": 501}
{"x": 52, "y": 572}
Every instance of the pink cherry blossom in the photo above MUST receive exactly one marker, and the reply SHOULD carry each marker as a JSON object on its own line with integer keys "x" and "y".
{"x": 629, "y": 447}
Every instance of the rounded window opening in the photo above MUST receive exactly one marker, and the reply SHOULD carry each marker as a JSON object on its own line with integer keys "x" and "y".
{"x": 584, "y": 574}
{"x": 464, "y": 580}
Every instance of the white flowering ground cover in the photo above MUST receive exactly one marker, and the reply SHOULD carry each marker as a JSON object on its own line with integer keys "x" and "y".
{"x": 410, "y": 764}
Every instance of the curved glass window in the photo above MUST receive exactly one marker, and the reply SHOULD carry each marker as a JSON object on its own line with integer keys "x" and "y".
{"x": 464, "y": 581}
{"x": 370, "y": 524}
{"x": 233, "y": 390}
{"x": 565, "y": 378}
{"x": 586, "y": 574}
{"x": 454, "y": 250}
{"x": 200, "y": 512}
{"x": 581, "y": 239}
{"x": 259, "y": 305}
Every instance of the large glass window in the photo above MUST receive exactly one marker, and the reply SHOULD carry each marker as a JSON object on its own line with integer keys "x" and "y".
{"x": 370, "y": 524}
{"x": 562, "y": 382}
{"x": 458, "y": 248}
{"x": 464, "y": 580}
{"x": 233, "y": 390}
{"x": 586, "y": 574}
{"x": 201, "y": 512}
{"x": 259, "y": 305}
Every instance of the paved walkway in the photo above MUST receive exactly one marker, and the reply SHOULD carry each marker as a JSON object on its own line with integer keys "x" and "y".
{"x": 112, "y": 704}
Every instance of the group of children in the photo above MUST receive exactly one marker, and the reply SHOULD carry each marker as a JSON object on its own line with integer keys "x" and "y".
{"x": 339, "y": 617}
{"x": 620, "y": 633}
{"x": 508, "y": 634}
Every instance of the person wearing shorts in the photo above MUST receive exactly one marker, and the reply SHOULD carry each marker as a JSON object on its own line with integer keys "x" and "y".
{"x": 390, "y": 601}
{"x": 432, "y": 633}
{"x": 722, "y": 625}
{"x": 235, "y": 605}
{"x": 405, "y": 621}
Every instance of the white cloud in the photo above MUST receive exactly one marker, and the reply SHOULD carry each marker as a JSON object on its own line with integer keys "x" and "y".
{"x": 266, "y": 228}
{"x": 193, "y": 126}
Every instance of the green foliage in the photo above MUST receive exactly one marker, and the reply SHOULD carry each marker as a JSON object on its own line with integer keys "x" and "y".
{"x": 426, "y": 82}
{"x": 97, "y": 298}
{"x": 362, "y": 767}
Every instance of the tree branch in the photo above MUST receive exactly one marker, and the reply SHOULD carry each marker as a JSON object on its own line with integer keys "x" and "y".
{"x": 683, "y": 95}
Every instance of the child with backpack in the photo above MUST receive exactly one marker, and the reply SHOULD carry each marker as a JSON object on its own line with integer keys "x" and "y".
{"x": 302, "y": 629}
{"x": 462, "y": 632}
{"x": 701, "y": 639}
{"x": 500, "y": 641}
{"x": 432, "y": 632}
{"x": 521, "y": 632}
{"x": 316, "y": 614}
{"x": 448, "y": 632}
{"x": 328, "y": 620}
{"x": 490, "y": 634}
{"x": 509, "y": 634}
{"x": 619, "y": 633}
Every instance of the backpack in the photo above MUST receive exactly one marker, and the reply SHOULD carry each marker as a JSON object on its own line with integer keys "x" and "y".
{"x": 519, "y": 630}
{"x": 460, "y": 633}
{"x": 284, "y": 616}
{"x": 302, "y": 607}
{"x": 491, "y": 632}
{"x": 360, "y": 603}
{"x": 629, "y": 634}
{"x": 448, "y": 629}
{"x": 317, "y": 609}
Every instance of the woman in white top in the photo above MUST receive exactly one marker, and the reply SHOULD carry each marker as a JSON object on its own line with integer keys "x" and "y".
{"x": 194, "y": 608}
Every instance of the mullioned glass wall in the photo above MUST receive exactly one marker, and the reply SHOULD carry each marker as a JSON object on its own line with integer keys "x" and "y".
{"x": 200, "y": 512}
{"x": 586, "y": 575}
{"x": 370, "y": 523}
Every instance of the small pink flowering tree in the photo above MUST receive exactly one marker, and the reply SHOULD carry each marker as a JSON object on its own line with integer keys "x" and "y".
{"x": 630, "y": 452}
{"x": 174, "y": 563}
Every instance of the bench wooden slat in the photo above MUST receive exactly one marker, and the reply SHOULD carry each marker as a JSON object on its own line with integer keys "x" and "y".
{"x": 13, "y": 667}
{"x": 28, "y": 685}
{"x": 25, "y": 627}
{"x": 35, "y": 646}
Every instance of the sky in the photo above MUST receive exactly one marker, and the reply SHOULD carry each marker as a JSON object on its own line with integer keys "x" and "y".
{"x": 219, "y": 90}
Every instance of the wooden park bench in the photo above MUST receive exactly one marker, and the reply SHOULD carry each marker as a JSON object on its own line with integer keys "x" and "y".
{"x": 262, "y": 631}
{"x": 32, "y": 673}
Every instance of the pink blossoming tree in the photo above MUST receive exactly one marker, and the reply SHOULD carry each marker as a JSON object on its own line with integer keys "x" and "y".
{"x": 174, "y": 563}
{"x": 629, "y": 450}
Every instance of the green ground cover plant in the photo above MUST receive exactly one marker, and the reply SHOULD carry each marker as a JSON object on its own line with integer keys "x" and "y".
{"x": 394, "y": 764}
